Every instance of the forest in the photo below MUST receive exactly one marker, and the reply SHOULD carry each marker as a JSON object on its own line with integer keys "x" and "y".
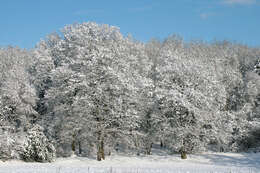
{"x": 88, "y": 90}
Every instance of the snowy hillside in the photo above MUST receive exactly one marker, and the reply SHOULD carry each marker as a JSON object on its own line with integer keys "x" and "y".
{"x": 203, "y": 163}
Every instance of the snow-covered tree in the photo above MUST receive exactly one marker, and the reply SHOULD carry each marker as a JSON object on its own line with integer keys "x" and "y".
{"x": 17, "y": 93}
{"x": 92, "y": 90}
{"x": 190, "y": 93}
{"x": 37, "y": 147}
{"x": 17, "y": 100}
{"x": 257, "y": 68}
{"x": 94, "y": 85}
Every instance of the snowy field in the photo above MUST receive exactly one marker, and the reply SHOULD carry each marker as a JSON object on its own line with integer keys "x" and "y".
{"x": 203, "y": 163}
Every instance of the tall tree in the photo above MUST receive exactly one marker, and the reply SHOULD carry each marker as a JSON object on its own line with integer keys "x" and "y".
{"x": 18, "y": 97}
{"x": 94, "y": 84}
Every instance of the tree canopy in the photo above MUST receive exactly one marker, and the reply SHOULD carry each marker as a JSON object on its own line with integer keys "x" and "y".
{"x": 91, "y": 90}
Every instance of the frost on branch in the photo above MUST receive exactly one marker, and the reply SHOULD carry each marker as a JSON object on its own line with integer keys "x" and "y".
{"x": 6, "y": 144}
{"x": 257, "y": 67}
{"x": 37, "y": 147}
{"x": 95, "y": 91}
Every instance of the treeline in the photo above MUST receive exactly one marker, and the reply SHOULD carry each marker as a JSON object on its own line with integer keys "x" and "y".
{"x": 91, "y": 91}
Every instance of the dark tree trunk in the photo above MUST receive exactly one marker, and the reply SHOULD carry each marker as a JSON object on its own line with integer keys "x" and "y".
{"x": 73, "y": 145}
{"x": 80, "y": 149}
{"x": 99, "y": 157}
{"x": 149, "y": 149}
{"x": 161, "y": 144}
{"x": 183, "y": 153}
{"x": 101, "y": 151}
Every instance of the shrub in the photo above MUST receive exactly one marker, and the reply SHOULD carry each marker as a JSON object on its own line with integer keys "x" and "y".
{"x": 37, "y": 147}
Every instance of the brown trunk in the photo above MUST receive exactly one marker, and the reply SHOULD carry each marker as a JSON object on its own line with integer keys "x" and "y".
{"x": 100, "y": 152}
{"x": 183, "y": 153}
{"x": 102, "y": 149}
{"x": 73, "y": 147}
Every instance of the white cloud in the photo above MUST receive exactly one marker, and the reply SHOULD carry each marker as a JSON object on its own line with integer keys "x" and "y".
{"x": 241, "y": 2}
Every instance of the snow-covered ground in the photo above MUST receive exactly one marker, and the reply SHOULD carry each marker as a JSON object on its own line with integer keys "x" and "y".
{"x": 159, "y": 163}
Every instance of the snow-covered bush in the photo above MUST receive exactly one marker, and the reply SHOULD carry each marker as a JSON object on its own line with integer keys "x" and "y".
{"x": 11, "y": 143}
{"x": 257, "y": 67}
{"x": 37, "y": 147}
{"x": 5, "y": 147}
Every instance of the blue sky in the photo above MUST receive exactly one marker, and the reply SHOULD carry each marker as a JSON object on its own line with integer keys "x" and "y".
{"x": 24, "y": 22}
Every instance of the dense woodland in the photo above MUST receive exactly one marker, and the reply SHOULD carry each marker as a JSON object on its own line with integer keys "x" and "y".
{"x": 90, "y": 91}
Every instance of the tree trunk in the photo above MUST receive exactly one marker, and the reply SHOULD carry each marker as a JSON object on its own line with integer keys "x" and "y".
{"x": 149, "y": 149}
{"x": 99, "y": 157}
{"x": 161, "y": 144}
{"x": 101, "y": 151}
{"x": 80, "y": 149}
{"x": 73, "y": 147}
{"x": 183, "y": 153}
{"x": 73, "y": 143}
